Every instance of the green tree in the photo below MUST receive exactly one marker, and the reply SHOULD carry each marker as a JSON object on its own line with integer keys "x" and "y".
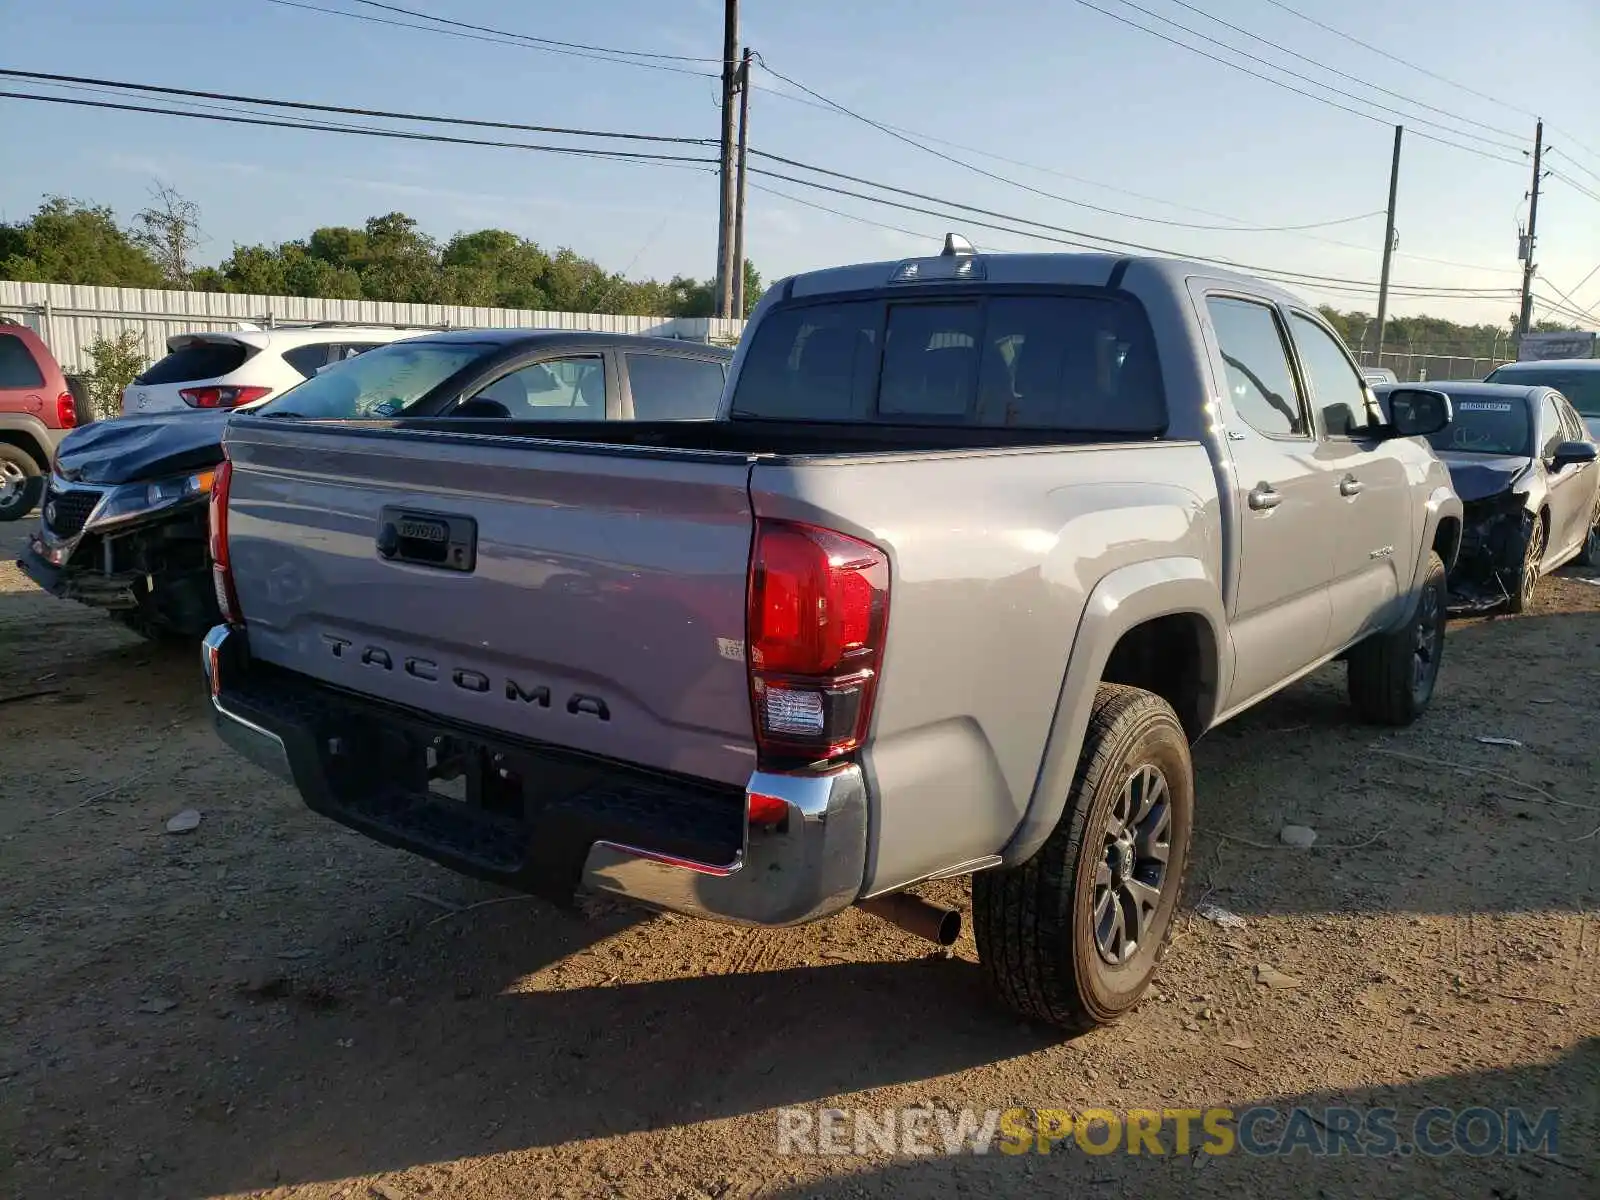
{"x": 115, "y": 363}
{"x": 67, "y": 241}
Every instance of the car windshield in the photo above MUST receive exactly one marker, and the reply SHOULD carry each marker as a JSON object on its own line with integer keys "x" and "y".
{"x": 1581, "y": 388}
{"x": 1483, "y": 426}
{"x": 376, "y": 385}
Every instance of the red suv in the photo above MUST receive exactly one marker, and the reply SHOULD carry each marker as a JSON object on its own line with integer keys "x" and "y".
{"x": 37, "y": 410}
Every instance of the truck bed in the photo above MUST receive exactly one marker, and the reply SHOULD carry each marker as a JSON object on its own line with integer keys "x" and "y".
{"x": 605, "y": 612}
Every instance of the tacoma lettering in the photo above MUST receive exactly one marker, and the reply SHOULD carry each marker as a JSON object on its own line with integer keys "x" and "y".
{"x": 538, "y": 695}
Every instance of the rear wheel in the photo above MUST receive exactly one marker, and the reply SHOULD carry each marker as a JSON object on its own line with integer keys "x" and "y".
{"x": 1392, "y": 675}
{"x": 21, "y": 483}
{"x": 1073, "y": 936}
{"x": 1519, "y": 592}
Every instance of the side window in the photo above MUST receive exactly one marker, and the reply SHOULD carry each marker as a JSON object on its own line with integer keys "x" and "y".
{"x": 667, "y": 388}
{"x": 558, "y": 389}
{"x": 17, "y": 368}
{"x": 1340, "y": 392}
{"x": 340, "y": 351}
{"x": 307, "y": 359}
{"x": 1572, "y": 426}
{"x": 1550, "y": 431}
{"x": 1259, "y": 379}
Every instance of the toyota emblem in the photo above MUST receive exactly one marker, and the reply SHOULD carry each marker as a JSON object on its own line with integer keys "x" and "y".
{"x": 50, "y": 512}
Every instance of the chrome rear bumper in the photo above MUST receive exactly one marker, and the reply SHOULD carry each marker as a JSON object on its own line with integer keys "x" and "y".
{"x": 811, "y": 865}
{"x": 807, "y": 866}
{"x": 258, "y": 745}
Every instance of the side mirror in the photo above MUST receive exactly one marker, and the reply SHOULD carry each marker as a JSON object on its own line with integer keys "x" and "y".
{"x": 1572, "y": 454}
{"x": 1418, "y": 412}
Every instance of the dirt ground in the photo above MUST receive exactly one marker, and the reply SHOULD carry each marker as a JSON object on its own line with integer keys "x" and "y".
{"x": 272, "y": 1006}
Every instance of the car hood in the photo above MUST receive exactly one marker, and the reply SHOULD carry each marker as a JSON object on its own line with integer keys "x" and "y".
{"x": 1478, "y": 476}
{"x": 130, "y": 449}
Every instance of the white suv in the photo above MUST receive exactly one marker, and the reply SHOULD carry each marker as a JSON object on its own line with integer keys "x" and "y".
{"x": 230, "y": 369}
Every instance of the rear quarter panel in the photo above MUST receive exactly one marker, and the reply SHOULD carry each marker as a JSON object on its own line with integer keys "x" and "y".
{"x": 994, "y": 555}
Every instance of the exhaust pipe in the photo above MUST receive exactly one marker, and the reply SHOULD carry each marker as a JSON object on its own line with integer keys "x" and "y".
{"x": 941, "y": 926}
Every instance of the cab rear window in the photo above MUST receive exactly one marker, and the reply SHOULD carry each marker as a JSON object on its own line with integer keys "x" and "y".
{"x": 1081, "y": 363}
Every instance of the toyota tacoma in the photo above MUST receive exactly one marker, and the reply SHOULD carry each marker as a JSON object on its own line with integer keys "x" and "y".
{"x": 974, "y": 550}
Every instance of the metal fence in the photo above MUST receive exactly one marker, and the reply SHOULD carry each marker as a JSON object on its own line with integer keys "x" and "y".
{"x": 1419, "y": 368}
{"x": 70, "y": 317}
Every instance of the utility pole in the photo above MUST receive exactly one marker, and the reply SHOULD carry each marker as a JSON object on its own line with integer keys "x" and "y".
{"x": 1388, "y": 244}
{"x": 737, "y": 310}
{"x": 1525, "y": 318}
{"x": 730, "y": 83}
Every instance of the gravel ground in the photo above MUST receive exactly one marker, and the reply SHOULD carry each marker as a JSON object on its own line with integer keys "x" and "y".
{"x": 272, "y": 1006}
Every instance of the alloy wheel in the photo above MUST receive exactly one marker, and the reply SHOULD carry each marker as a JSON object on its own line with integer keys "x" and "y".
{"x": 1133, "y": 869}
{"x": 12, "y": 481}
{"x": 1532, "y": 560}
{"x": 1427, "y": 645}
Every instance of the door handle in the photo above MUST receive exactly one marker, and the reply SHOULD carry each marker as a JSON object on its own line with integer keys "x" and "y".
{"x": 1349, "y": 486}
{"x": 1263, "y": 496}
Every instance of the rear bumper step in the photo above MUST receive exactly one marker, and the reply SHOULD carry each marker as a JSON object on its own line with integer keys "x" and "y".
{"x": 538, "y": 818}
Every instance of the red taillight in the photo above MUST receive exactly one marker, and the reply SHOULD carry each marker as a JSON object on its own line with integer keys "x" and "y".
{"x": 818, "y": 612}
{"x": 221, "y": 567}
{"x": 66, "y": 411}
{"x": 221, "y": 397}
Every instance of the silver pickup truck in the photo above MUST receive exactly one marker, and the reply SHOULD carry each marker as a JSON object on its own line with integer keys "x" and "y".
{"x": 976, "y": 548}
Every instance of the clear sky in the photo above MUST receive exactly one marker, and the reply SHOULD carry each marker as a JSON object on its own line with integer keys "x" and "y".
{"x": 1108, "y": 110}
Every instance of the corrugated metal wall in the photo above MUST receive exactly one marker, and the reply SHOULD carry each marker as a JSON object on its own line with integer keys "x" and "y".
{"x": 71, "y": 316}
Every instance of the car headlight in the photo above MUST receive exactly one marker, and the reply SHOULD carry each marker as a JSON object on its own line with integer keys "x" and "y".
{"x": 136, "y": 499}
{"x": 169, "y": 490}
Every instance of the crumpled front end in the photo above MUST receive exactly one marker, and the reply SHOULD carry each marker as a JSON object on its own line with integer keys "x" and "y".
{"x": 1494, "y": 543}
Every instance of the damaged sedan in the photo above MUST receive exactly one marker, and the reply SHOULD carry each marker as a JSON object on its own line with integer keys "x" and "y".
{"x": 1521, "y": 460}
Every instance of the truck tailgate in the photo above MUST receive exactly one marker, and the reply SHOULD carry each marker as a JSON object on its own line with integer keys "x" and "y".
{"x": 600, "y": 605}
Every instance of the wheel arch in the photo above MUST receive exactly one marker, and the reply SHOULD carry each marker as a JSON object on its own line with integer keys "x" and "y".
{"x": 1132, "y": 615}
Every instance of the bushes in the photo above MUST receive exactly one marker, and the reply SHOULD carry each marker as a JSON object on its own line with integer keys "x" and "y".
{"x": 116, "y": 361}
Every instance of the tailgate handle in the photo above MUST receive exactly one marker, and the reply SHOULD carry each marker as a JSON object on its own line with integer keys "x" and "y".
{"x": 428, "y": 539}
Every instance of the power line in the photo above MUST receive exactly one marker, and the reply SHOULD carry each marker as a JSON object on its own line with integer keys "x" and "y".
{"x": 833, "y": 106}
{"x": 1412, "y": 120}
{"x": 1576, "y": 186}
{"x": 532, "y": 38}
{"x": 583, "y": 152}
{"x": 1586, "y": 278}
{"x": 1565, "y": 310}
{"x": 515, "y": 40}
{"x": 1076, "y": 238}
{"x": 1294, "y": 12}
{"x": 1573, "y": 161}
{"x": 793, "y": 199}
{"x": 901, "y": 136}
{"x": 344, "y": 111}
{"x": 1319, "y": 65}
{"x": 1409, "y": 65}
{"x": 1574, "y": 305}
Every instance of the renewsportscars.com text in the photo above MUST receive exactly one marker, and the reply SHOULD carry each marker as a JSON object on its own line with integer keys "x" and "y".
{"x": 1259, "y": 1131}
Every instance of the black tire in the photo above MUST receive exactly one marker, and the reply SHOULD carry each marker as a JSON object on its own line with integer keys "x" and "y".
{"x": 21, "y": 482}
{"x": 1392, "y": 676}
{"x": 1036, "y": 923}
{"x": 1520, "y": 588}
{"x": 1589, "y": 556}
